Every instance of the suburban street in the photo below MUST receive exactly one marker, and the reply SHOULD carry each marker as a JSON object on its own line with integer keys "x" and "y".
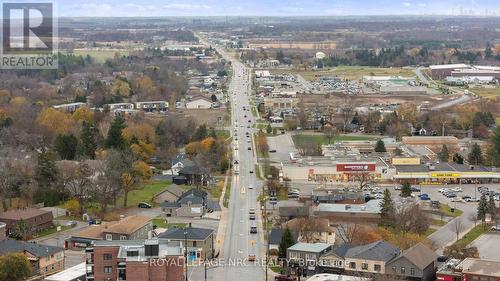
{"x": 239, "y": 243}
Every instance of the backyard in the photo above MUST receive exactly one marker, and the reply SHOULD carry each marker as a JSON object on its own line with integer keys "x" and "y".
{"x": 145, "y": 193}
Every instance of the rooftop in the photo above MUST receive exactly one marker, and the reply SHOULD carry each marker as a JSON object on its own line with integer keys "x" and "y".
{"x": 480, "y": 267}
{"x": 372, "y": 206}
{"x": 23, "y": 214}
{"x": 165, "y": 247}
{"x": 72, "y": 273}
{"x": 379, "y": 250}
{"x": 448, "y": 66}
{"x": 192, "y": 233}
{"x": 310, "y": 247}
{"x": 420, "y": 255}
{"x": 39, "y": 250}
{"x": 128, "y": 225}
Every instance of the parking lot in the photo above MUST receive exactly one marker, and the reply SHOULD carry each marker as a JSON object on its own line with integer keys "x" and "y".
{"x": 487, "y": 245}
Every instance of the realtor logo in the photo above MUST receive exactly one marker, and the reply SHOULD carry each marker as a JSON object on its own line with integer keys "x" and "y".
{"x": 28, "y": 32}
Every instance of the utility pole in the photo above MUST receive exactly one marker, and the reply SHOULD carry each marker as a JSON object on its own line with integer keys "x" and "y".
{"x": 185, "y": 254}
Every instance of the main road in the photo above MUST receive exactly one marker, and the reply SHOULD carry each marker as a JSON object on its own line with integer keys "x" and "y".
{"x": 239, "y": 243}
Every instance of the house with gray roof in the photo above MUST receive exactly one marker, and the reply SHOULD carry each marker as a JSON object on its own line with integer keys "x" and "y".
{"x": 334, "y": 261}
{"x": 370, "y": 258}
{"x": 199, "y": 241}
{"x": 192, "y": 203}
{"x": 415, "y": 263}
{"x": 306, "y": 253}
{"x": 44, "y": 259}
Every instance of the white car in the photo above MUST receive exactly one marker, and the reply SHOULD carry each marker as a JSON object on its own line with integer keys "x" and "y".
{"x": 250, "y": 187}
{"x": 457, "y": 189}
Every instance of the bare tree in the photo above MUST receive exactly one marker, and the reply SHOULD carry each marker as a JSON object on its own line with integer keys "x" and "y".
{"x": 329, "y": 132}
{"x": 347, "y": 232}
{"x": 76, "y": 179}
{"x": 457, "y": 226}
{"x": 347, "y": 111}
{"x": 364, "y": 179}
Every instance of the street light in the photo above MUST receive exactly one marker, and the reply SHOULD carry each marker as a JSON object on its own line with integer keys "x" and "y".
{"x": 185, "y": 254}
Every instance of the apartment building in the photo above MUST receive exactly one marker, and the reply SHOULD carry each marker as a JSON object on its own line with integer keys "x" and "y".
{"x": 138, "y": 260}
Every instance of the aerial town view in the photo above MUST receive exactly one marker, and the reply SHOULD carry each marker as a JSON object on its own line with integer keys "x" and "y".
{"x": 183, "y": 140}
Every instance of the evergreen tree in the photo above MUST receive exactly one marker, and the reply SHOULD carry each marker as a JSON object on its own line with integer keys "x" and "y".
{"x": 200, "y": 133}
{"x": 115, "y": 138}
{"x": 269, "y": 129}
{"x": 457, "y": 158}
{"x": 380, "y": 146}
{"x": 492, "y": 208}
{"x": 280, "y": 56}
{"x": 494, "y": 152}
{"x": 46, "y": 170}
{"x": 482, "y": 208}
{"x": 387, "y": 210}
{"x": 475, "y": 156}
{"x": 66, "y": 145}
{"x": 444, "y": 154}
{"x": 488, "y": 53}
{"x": 405, "y": 190}
{"x": 286, "y": 242}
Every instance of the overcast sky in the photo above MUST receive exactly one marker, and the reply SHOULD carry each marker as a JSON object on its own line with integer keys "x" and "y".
{"x": 275, "y": 7}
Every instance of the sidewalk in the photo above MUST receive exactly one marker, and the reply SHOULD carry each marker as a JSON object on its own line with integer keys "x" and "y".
{"x": 221, "y": 230}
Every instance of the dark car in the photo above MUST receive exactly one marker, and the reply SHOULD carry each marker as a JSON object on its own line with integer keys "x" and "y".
{"x": 249, "y": 148}
{"x": 442, "y": 258}
{"x": 415, "y": 189}
{"x": 272, "y": 150}
{"x": 144, "y": 205}
{"x": 251, "y": 172}
{"x": 253, "y": 229}
{"x": 424, "y": 196}
{"x": 450, "y": 195}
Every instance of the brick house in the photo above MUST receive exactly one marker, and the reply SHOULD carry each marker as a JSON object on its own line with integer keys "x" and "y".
{"x": 36, "y": 219}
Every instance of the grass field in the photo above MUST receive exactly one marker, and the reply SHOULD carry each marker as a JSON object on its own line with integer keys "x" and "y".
{"x": 471, "y": 235}
{"x": 321, "y": 139}
{"x": 489, "y": 93}
{"x": 350, "y": 72}
{"x": 144, "y": 193}
{"x": 163, "y": 223}
{"x": 52, "y": 230}
{"x": 498, "y": 120}
{"x": 446, "y": 210}
{"x": 100, "y": 56}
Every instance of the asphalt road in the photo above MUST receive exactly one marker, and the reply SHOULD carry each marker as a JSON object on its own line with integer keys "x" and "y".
{"x": 239, "y": 243}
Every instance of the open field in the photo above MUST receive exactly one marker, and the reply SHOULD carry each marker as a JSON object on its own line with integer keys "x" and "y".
{"x": 294, "y": 45}
{"x": 144, "y": 193}
{"x": 349, "y": 72}
{"x": 100, "y": 56}
{"x": 321, "y": 139}
{"x": 490, "y": 93}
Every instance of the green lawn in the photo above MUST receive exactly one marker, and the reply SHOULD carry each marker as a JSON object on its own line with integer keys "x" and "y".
{"x": 438, "y": 222}
{"x": 257, "y": 172}
{"x": 430, "y": 231}
{"x": 100, "y": 56}
{"x": 216, "y": 191}
{"x": 144, "y": 193}
{"x": 321, "y": 139}
{"x": 498, "y": 121}
{"x": 52, "y": 230}
{"x": 471, "y": 235}
{"x": 162, "y": 223}
{"x": 446, "y": 210}
{"x": 350, "y": 72}
{"x": 227, "y": 195}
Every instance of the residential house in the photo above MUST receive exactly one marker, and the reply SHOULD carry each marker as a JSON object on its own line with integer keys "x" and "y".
{"x": 275, "y": 238}
{"x": 335, "y": 277}
{"x": 44, "y": 259}
{"x": 195, "y": 174}
{"x": 334, "y": 261}
{"x": 370, "y": 258}
{"x": 415, "y": 263}
{"x": 199, "y": 102}
{"x": 312, "y": 230}
{"x": 128, "y": 228}
{"x": 305, "y": 256}
{"x": 200, "y": 242}
{"x": 145, "y": 260}
{"x": 192, "y": 203}
{"x": 35, "y": 219}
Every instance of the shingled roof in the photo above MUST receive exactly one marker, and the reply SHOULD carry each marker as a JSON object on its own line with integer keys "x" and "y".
{"x": 378, "y": 250}
{"x": 14, "y": 246}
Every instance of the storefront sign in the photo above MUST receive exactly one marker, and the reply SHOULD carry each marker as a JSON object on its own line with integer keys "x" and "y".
{"x": 356, "y": 168}
{"x": 445, "y": 175}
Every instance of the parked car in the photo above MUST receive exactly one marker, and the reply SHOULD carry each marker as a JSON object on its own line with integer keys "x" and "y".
{"x": 415, "y": 189}
{"x": 442, "y": 258}
{"x": 283, "y": 278}
{"x": 144, "y": 205}
{"x": 496, "y": 227}
{"x": 71, "y": 223}
{"x": 424, "y": 196}
{"x": 444, "y": 190}
{"x": 457, "y": 189}
{"x": 450, "y": 195}
{"x": 435, "y": 204}
{"x": 472, "y": 199}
